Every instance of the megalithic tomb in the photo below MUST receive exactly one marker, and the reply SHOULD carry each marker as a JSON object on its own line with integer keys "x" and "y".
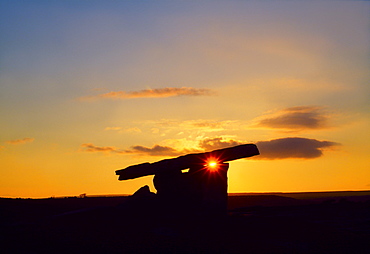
{"x": 188, "y": 161}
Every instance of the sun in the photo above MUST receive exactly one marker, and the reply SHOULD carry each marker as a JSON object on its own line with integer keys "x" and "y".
{"x": 212, "y": 164}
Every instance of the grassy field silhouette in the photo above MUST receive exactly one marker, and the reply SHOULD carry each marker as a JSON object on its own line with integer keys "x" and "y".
{"x": 316, "y": 222}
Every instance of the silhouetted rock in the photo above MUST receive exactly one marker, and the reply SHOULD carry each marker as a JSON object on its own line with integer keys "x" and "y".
{"x": 187, "y": 161}
{"x": 143, "y": 192}
{"x": 189, "y": 208}
{"x": 200, "y": 192}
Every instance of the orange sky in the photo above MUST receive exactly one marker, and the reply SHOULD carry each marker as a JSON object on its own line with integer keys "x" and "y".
{"x": 89, "y": 87}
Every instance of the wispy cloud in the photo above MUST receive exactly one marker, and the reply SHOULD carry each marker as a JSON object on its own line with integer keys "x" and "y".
{"x": 295, "y": 118}
{"x": 156, "y": 150}
{"x": 20, "y": 141}
{"x": 199, "y": 125}
{"x": 88, "y": 147}
{"x": 123, "y": 130}
{"x": 153, "y": 93}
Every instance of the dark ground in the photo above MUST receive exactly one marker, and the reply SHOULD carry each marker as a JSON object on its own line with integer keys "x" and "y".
{"x": 337, "y": 222}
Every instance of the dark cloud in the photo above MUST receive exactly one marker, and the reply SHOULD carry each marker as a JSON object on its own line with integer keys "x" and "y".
{"x": 20, "y": 141}
{"x": 296, "y": 118}
{"x": 153, "y": 93}
{"x": 292, "y": 147}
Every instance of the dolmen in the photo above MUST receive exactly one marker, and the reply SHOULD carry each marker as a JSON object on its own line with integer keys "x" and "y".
{"x": 189, "y": 186}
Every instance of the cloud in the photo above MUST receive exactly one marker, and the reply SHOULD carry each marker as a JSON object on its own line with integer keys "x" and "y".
{"x": 295, "y": 118}
{"x": 210, "y": 144}
{"x": 212, "y": 125}
{"x": 20, "y": 141}
{"x": 121, "y": 130}
{"x": 293, "y": 147}
{"x": 282, "y": 148}
{"x": 88, "y": 147}
{"x": 156, "y": 150}
{"x": 205, "y": 145}
{"x": 204, "y": 125}
{"x": 153, "y": 93}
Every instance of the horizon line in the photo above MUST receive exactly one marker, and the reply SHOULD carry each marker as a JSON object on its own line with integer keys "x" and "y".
{"x": 84, "y": 195}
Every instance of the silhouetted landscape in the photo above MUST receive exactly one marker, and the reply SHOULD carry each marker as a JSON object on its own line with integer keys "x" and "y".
{"x": 317, "y": 222}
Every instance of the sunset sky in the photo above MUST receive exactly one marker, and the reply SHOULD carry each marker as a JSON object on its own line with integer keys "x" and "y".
{"x": 89, "y": 87}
